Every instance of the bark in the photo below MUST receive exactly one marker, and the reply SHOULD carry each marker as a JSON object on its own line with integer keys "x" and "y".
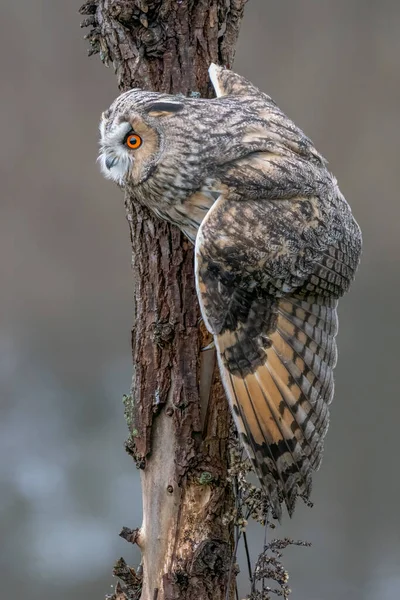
{"x": 177, "y": 412}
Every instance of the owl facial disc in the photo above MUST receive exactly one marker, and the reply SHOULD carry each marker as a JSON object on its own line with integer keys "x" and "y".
{"x": 115, "y": 157}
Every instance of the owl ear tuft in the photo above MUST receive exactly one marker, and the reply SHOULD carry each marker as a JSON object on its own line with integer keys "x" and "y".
{"x": 228, "y": 83}
{"x": 163, "y": 108}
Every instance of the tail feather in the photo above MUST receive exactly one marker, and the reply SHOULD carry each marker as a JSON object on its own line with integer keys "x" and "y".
{"x": 305, "y": 423}
{"x": 280, "y": 403}
{"x": 298, "y": 342}
{"x": 277, "y": 407}
{"x": 264, "y": 463}
{"x": 319, "y": 341}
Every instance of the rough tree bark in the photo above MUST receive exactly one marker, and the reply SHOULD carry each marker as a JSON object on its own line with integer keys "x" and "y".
{"x": 177, "y": 413}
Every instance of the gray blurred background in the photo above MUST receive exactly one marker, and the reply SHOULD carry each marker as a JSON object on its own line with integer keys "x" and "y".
{"x": 67, "y": 485}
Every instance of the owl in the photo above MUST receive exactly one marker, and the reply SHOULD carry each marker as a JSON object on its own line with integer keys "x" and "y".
{"x": 276, "y": 246}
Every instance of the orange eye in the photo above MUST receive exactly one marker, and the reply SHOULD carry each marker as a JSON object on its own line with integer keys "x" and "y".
{"x": 133, "y": 141}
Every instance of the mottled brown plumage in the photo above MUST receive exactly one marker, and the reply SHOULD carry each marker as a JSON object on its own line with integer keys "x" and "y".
{"x": 276, "y": 246}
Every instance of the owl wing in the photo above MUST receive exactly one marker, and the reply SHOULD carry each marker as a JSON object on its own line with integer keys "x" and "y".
{"x": 268, "y": 283}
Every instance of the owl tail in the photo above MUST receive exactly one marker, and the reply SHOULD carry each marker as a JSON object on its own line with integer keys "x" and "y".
{"x": 281, "y": 405}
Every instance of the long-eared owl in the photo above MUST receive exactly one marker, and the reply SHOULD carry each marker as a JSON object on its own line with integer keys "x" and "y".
{"x": 276, "y": 245}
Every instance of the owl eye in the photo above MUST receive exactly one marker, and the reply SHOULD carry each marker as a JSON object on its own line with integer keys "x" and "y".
{"x": 133, "y": 141}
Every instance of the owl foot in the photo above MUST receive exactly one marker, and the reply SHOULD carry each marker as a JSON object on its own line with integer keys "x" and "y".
{"x": 210, "y": 346}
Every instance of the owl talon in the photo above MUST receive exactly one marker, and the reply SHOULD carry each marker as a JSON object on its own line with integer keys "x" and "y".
{"x": 210, "y": 346}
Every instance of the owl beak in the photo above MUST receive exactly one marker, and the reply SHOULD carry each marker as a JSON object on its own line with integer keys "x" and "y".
{"x": 111, "y": 161}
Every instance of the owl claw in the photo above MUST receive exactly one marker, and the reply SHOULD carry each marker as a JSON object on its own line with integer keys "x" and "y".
{"x": 210, "y": 346}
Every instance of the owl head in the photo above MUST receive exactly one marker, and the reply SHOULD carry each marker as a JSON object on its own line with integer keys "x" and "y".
{"x": 165, "y": 147}
{"x": 143, "y": 132}
{"x": 133, "y": 134}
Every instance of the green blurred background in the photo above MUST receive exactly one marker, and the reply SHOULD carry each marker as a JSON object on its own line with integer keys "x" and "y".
{"x": 67, "y": 485}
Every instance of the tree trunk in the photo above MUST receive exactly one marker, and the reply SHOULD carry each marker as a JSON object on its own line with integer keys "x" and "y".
{"x": 177, "y": 412}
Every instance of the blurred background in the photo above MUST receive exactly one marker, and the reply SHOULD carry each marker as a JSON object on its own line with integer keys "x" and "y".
{"x": 67, "y": 485}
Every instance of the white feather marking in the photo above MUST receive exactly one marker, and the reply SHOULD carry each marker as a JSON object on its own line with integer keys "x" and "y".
{"x": 197, "y": 249}
{"x": 214, "y": 71}
{"x": 111, "y": 144}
